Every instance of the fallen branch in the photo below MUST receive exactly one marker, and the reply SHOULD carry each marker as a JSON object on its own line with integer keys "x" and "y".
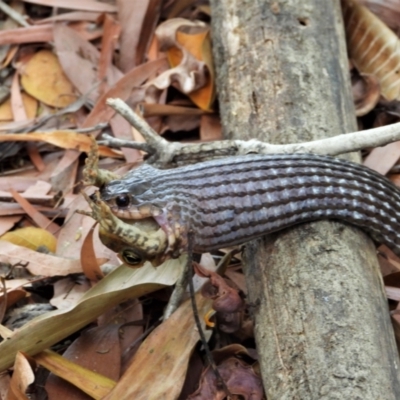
{"x": 167, "y": 154}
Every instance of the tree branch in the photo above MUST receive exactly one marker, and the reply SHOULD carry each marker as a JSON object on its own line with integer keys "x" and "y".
{"x": 167, "y": 154}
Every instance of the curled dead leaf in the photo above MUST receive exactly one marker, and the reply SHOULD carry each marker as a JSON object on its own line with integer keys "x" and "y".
{"x": 188, "y": 47}
{"x": 30, "y": 105}
{"x": 226, "y": 298}
{"x": 239, "y": 377}
{"x": 387, "y": 10}
{"x": 373, "y": 47}
{"x": 366, "y": 93}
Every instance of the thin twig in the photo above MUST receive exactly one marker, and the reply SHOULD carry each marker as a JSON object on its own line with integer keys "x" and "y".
{"x": 115, "y": 143}
{"x": 203, "y": 339}
{"x": 97, "y": 127}
{"x": 15, "y": 15}
{"x": 138, "y": 123}
{"x": 166, "y": 154}
{"x": 178, "y": 293}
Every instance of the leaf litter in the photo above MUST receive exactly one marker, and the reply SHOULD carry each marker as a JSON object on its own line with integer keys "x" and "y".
{"x": 67, "y": 291}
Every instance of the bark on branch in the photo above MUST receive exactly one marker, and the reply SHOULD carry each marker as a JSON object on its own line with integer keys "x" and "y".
{"x": 170, "y": 154}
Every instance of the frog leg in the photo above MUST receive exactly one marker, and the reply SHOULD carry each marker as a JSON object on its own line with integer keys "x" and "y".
{"x": 92, "y": 174}
{"x": 176, "y": 228}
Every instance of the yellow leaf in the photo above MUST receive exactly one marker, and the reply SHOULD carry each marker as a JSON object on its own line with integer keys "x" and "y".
{"x": 64, "y": 139}
{"x": 31, "y": 238}
{"x": 121, "y": 284}
{"x": 43, "y": 78}
{"x": 92, "y": 383}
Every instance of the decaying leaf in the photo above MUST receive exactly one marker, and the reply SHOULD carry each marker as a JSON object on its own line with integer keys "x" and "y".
{"x": 22, "y": 378}
{"x": 188, "y": 47}
{"x": 387, "y": 10}
{"x": 92, "y": 383}
{"x": 122, "y": 284}
{"x": 30, "y": 105}
{"x": 373, "y": 47}
{"x": 38, "y": 263}
{"x": 168, "y": 347}
{"x": 76, "y": 54}
{"x": 366, "y": 93}
{"x": 64, "y": 139}
{"x": 239, "y": 377}
{"x": 43, "y": 78}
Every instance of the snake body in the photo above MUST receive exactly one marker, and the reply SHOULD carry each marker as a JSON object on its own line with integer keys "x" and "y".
{"x": 230, "y": 201}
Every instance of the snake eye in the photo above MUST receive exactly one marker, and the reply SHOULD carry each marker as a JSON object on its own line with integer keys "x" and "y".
{"x": 122, "y": 201}
{"x": 130, "y": 257}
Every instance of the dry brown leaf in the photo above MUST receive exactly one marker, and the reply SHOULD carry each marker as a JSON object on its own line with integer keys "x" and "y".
{"x": 41, "y": 220}
{"x": 131, "y": 14}
{"x": 43, "y": 78}
{"x": 151, "y": 19}
{"x": 86, "y": 30}
{"x": 111, "y": 34}
{"x": 30, "y": 34}
{"x": 169, "y": 348}
{"x": 10, "y": 57}
{"x": 23, "y": 377}
{"x": 68, "y": 292}
{"x": 6, "y": 223}
{"x": 123, "y": 90}
{"x": 210, "y": 128}
{"x": 366, "y": 93}
{"x": 151, "y": 110}
{"x": 92, "y": 383}
{"x": 392, "y": 293}
{"x": 44, "y": 200}
{"x": 80, "y": 61}
{"x": 84, "y": 5}
{"x": 4, "y": 385}
{"x": 387, "y": 10}
{"x": 98, "y": 349}
{"x": 64, "y": 139}
{"x": 40, "y": 188}
{"x": 122, "y": 130}
{"x": 71, "y": 16}
{"x": 31, "y": 238}
{"x": 90, "y": 266}
{"x": 38, "y": 263}
{"x": 240, "y": 378}
{"x": 178, "y": 123}
{"x": 382, "y": 159}
{"x": 130, "y": 334}
{"x": 13, "y": 284}
{"x": 14, "y": 296}
{"x": 373, "y": 47}
{"x": 17, "y": 105}
{"x": 30, "y": 105}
